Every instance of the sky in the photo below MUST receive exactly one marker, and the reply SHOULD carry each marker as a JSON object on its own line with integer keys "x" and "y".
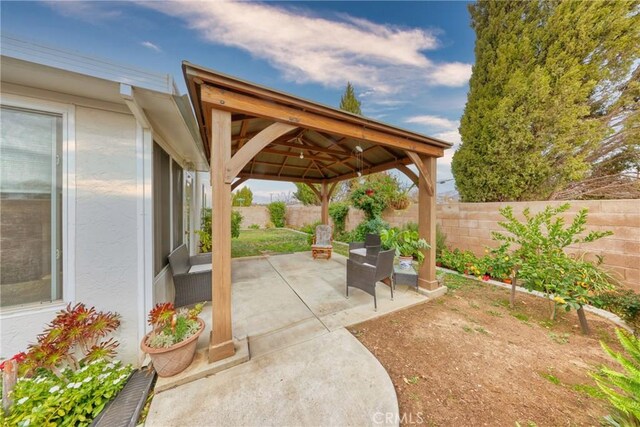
{"x": 410, "y": 62}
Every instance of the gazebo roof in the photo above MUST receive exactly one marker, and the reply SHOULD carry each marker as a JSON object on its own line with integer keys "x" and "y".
{"x": 326, "y": 137}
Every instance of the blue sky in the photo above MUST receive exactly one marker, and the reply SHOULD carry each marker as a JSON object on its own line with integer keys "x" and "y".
{"x": 409, "y": 61}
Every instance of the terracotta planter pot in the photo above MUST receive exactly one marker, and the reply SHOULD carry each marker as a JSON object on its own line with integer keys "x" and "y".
{"x": 405, "y": 262}
{"x": 507, "y": 281}
{"x": 438, "y": 264}
{"x": 175, "y": 359}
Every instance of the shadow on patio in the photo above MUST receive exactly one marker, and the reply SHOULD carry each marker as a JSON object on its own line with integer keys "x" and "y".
{"x": 293, "y": 311}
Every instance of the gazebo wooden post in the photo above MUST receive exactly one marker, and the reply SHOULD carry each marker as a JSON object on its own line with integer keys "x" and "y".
{"x": 427, "y": 220}
{"x": 221, "y": 341}
{"x": 324, "y": 216}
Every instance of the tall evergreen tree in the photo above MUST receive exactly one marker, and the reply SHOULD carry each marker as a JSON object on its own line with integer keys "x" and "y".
{"x": 349, "y": 102}
{"x": 242, "y": 197}
{"x": 531, "y": 121}
{"x": 305, "y": 195}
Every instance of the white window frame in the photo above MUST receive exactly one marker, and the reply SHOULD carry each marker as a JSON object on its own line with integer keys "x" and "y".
{"x": 67, "y": 111}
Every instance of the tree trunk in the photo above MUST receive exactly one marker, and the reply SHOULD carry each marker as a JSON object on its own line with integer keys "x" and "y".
{"x": 553, "y": 311}
{"x": 513, "y": 293}
{"x": 582, "y": 317}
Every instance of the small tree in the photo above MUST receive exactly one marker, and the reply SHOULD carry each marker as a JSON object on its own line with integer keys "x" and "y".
{"x": 236, "y": 220}
{"x": 349, "y": 102}
{"x": 305, "y": 195}
{"x": 543, "y": 264}
{"x": 242, "y": 197}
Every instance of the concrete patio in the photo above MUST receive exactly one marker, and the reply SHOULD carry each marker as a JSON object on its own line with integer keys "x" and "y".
{"x": 304, "y": 367}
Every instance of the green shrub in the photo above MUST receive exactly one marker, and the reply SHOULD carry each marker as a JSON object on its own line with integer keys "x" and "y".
{"x": 501, "y": 262}
{"x": 346, "y": 237}
{"x": 310, "y": 228}
{"x": 622, "y": 389}
{"x": 371, "y": 226}
{"x": 277, "y": 211}
{"x": 369, "y": 200}
{"x": 407, "y": 243}
{"x": 269, "y": 225}
{"x": 461, "y": 261}
{"x": 441, "y": 240}
{"x": 242, "y": 197}
{"x": 254, "y": 227}
{"x": 623, "y": 302}
{"x": 236, "y": 220}
{"x": 338, "y": 212}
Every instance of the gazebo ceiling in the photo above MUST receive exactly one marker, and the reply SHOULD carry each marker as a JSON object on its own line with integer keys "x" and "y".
{"x": 323, "y": 144}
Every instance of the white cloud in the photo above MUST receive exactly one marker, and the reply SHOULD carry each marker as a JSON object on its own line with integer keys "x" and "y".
{"x": 451, "y": 74}
{"x": 379, "y": 58}
{"x": 433, "y": 122}
{"x": 90, "y": 11}
{"x": 151, "y": 46}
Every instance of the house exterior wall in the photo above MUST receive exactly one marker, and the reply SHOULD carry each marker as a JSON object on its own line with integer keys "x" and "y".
{"x": 106, "y": 205}
{"x": 105, "y": 228}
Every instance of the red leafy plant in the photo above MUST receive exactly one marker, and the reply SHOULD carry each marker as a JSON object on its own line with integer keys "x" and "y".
{"x": 171, "y": 325}
{"x": 76, "y": 336}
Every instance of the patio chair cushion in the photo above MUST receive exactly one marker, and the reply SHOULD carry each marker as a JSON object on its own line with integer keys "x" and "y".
{"x": 200, "y": 267}
{"x": 323, "y": 236}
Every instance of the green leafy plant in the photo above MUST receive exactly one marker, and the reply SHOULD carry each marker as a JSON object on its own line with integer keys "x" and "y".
{"x": 407, "y": 243}
{"x": 254, "y": 227}
{"x": 73, "y": 398}
{"x": 371, "y": 226}
{"x": 338, "y": 212}
{"x": 460, "y": 261}
{"x": 441, "y": 240}
{"x": 622, "y": 389}
{"x": 277, "y": 212}
{"x": 623, "y": 302}
{"x": 305, "y": 195}
{"x": 236, "y": 220}
{"x": 172, "y": 326}
{"x": 77, "y": 335}
{"x": 501, "y": 262}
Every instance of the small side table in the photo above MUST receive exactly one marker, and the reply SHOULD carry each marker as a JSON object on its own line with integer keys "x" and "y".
{"x": 403, "y": 276}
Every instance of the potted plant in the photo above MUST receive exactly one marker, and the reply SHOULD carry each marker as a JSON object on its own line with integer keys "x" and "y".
{"x": 172, "y": 342}
{"x": 407, "y": 243}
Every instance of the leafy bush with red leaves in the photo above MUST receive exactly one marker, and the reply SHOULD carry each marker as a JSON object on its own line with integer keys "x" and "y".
{"x": 76, "y": 336}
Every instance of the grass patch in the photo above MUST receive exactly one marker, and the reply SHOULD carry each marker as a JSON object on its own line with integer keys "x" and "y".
{"x": 521, "y": 316}
{"x": 482, "y": 330}
{"x": 257, "y": 242}
{"x": 473, "y": 304}
{"x": 494, "y": 313}
{"x": 467, "y": 328}
{"x": 559, "y": 338}
{"x": 589, "y": 390}
{"x": 453, "y": 281}
{"x": 551, "y": 378}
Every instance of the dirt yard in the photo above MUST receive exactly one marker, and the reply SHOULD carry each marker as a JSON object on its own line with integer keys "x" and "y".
{"x": 467, "y": 359}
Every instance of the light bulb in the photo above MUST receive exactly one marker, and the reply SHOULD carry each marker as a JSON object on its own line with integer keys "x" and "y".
{"x": 359, "y": 173}
{"x": 301, "y": 155}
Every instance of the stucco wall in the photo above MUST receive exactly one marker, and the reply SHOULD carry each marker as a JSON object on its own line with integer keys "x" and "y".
{"x": 106, "y": 222}
{"x": 253, "y": 215}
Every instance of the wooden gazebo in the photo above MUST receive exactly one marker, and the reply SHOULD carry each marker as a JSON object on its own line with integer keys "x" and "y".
{"x": 253, "y": 132}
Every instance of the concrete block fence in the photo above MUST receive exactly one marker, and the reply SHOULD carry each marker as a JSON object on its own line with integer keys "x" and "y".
{"x": 469, "y": 226}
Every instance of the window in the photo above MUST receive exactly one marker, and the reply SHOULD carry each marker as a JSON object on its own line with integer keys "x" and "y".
{"x": 30, "y": 206}
{"x": 161, "y": 208}
{"x": 177, "y": 195}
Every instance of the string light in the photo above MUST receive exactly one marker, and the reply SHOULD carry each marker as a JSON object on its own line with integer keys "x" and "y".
{"x": 301, "y": 155}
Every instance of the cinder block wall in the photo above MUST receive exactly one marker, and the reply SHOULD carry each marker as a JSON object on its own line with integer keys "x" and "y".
{"x": 469, "y": 226}
{"x": 253, "y": 215}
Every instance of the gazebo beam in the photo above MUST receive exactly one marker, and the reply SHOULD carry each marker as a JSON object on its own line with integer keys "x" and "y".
{"x": 221, "y": 342}
{"x": 409, "y": 173}
{"x": 379, "y": 168}
{"x": 287, "y": 178}
{"x": 428, "y": 182}
{"x": 253, "y": 147}
{"x": 427, "y": 222}
{"x": 238, "y": 103}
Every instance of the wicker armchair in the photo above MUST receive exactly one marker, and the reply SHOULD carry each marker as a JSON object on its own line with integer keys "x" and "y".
{"x": 191, "y": 276}
{"x": 371, "y": 246}
{"x": 364, "y": 276}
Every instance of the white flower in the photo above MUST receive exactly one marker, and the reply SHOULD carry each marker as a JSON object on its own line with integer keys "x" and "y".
{"x": 25, "y": 422}
{"x": 86, "y": 380}
{"x": 102, "y": 376}
{"x": 54, "y": 389}
{"x": 24, "y": 399}
{"x": 117, "y": 381}
{"x": 71, "y": 385}
{"x": 84, "y": 368}
{"x": 77, "y": 385}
